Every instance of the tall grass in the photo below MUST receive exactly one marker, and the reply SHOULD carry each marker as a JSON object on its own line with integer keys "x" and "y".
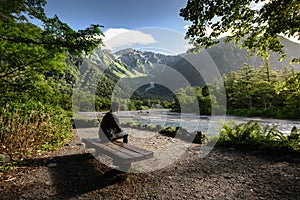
{"x": 31, "y": 127}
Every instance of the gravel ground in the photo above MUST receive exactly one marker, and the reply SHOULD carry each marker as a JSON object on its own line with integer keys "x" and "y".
{"x": 223, "y": 173}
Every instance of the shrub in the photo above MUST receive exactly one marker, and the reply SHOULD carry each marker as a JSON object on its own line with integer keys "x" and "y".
{"x": 251, "y": 135}
{"x": 170, "y": 131}
{"x": 294, "y": 138}
{"x": 31, "y": 127}
{"x": 198, "y": 137}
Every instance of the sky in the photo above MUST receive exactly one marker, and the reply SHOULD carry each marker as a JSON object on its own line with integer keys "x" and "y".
{"x": 153, "y": 25}
{"x": 141, "y": 24}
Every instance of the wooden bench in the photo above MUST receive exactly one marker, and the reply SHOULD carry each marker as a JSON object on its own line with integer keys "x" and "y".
{"x": 122, "y": 154}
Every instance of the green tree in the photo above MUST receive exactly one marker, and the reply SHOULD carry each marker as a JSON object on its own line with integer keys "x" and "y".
{"x": 36, "y": 76}
{"x": 263, "y": 92}
{"x": 244, "y": 86}
{"x": 255, "y": 24}
{"x": 291, "y": 90}
{"x": 186, "y": 100}
{"x": 263, "y": 89}
{"x": 30, "y": 55}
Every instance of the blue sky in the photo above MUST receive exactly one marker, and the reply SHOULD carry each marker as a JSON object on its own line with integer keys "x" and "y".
{"x": 140, "y": 24}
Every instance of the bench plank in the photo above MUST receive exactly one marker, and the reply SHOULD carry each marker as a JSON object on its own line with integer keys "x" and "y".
{"x": 120, "y": 152}
{"x": 137, "y": 156}
{"x": 103, "y": 149}
{"x": 146, "y": 153}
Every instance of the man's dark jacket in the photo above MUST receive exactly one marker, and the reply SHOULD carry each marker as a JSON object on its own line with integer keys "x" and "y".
{"x": 110, "y": 125}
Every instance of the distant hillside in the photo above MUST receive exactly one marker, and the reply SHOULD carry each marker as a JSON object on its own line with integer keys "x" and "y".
{"x": 231, "y": 58}
{"x": 133, "y": 63}
{"x": 143, "y": 67}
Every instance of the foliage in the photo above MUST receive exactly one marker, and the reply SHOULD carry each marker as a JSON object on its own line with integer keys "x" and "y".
{"x": 250, "y": 91}
{"x": 170, "y": 131}
{"x": 256, "y": 25}
{"x": 30, "y": 127}
{"x": 33, "y": 58}
{"x": 262, "y": 92}
{"x": 294, "y": 138}
{"x": 191, "y": 99}
{"x": 199, "y": 100}
{"x": 55, "y": 36}
{"x": 200, "y": 138}
{"x": 251, "y": 135}
{"x": 144, "y": 104}
{"x": 7, "y": 166}
{"x": 291, "y": 90}
{"x": 37, "y": 72}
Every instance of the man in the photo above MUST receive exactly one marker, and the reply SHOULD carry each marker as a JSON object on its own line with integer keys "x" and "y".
{"x": 109, "y": 126}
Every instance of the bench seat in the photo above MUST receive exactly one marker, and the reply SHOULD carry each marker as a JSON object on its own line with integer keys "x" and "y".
{"x": 122, "y": 154}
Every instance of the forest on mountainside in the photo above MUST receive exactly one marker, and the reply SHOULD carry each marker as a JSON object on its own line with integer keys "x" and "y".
{"x": 261, "y": 92}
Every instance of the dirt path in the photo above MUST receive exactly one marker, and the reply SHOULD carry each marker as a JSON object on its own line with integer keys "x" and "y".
{"x": 71, "y": 173}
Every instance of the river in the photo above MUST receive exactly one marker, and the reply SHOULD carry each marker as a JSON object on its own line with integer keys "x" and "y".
{"x": 195, "y": 122}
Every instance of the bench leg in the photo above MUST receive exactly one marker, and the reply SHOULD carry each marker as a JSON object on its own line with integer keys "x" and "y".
{"x": 123, "y": 166}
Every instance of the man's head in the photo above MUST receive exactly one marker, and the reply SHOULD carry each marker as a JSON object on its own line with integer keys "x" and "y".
{"x": 115, "y": 107}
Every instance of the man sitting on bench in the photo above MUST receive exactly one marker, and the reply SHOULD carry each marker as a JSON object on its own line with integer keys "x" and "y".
{"x": 109, "y": 128}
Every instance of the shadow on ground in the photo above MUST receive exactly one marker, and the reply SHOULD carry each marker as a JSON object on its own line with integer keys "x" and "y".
{"x": 74, "y": 175}
{"x": 222, "y": 174}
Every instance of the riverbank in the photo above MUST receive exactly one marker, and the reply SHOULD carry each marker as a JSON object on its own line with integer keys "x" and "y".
{"x": 189, "y": 121}
{"x": 71, "y": 173}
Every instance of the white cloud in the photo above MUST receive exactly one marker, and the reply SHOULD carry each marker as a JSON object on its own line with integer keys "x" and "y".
{"x": 258, "y": 5}
{"x": 209, "y": 30}
{"x": 116, "y": 38}
{"x": 186, "y": 27}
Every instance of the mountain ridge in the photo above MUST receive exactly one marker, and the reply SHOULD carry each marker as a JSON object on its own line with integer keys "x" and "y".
{"x": 146, "y": 66}
{"x": 227, "y": 57}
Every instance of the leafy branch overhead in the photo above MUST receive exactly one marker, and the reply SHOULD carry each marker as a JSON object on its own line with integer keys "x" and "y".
{"x": 30, "y": 54}
{"x": 55, "y": 35}
{"x": 255, "y": 25}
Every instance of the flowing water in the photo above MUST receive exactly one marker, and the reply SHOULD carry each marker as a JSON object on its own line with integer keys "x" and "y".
{"x": 194, "y": 122}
